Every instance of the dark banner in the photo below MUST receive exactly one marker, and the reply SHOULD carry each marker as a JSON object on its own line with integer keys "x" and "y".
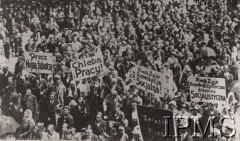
{"x": 156, "y": 124}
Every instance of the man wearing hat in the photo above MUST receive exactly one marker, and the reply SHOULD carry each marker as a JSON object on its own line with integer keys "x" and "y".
{"x": 65, "y": 118}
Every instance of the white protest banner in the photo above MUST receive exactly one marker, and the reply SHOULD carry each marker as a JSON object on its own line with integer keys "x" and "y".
{"x": 149, "y": 80}
{"x": 207, "y": 89}
{"x": 39, "y": 62}
{"x": 88, "y": 67}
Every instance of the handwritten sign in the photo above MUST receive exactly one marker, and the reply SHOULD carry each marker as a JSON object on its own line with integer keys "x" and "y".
{"x": 207, "y": 89}
{"x": 149, "y": 80}
{"x": 39, "y": 62}
{"x": 88, "y": 67}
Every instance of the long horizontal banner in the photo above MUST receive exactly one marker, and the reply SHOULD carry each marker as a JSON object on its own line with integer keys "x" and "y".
{"x": 207, "y": 89}
{"x": 39, "y": 62}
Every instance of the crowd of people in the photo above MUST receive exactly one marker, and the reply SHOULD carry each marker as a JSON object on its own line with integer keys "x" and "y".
{"x": 163, "y": 35}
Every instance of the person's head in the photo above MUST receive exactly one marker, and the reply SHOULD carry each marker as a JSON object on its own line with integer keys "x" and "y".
{"x": 119, "y": 59}
{"x": 35, "y": 129}
{"x": 183, "y": 108}
{"x": 183, "y": 97}
{"x": 27, "y": 114}
{"x": 114, "y": 73}
{"x": 58, "y": 79}
{"x": 80, "y": 101}
{"x": 99, "y": 116}
{"x": 38, "y": 75}
{"x": 50, "y": 129}
{"x": 212, "y": 107}
{"x": 52, "y": 95}
{"x": 114, "y": 81}
{"x": 125, "y": 122}
{"x": 69, "y": 133}
{"x": 5, "y": 69}
{"x": 28, "y": 92}
{"x": 165, "y": 106}
{"x": 167, "y": 78}
{"x": 172, "y": 105}
{"x": 10, "y": 79}
{"x": 110, "y": 123}
{"x": 72, "y": 85}
{"x": 66, "y": 110}
{"x": 121, "y": 130}
{"x": 117, "y": 108}
{"x": 167, "y": 65}
{"x": 88, "y": 132}
{"x": 133, "y": 90}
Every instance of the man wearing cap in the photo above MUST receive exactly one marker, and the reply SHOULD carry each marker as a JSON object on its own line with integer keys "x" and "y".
{"x": 59, "y": 89}
{"x": 111, "y": 101}
{"x": 65, "y": 118}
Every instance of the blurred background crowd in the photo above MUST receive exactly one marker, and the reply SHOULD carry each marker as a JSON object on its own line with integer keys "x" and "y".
{"x": 181, "y": 38}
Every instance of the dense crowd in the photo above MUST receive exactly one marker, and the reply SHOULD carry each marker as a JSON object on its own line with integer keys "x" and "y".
{"x": 163, "y": 35}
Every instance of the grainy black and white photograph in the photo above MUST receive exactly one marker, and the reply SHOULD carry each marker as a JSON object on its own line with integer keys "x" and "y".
{"x": 120, "y": 70}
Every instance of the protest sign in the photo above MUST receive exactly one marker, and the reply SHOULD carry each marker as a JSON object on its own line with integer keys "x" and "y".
{"x": 156, "y": 124}
{"x": 39, "y": 62}
{"x": 88, "y": 67}
{"x": 207, "y": 89}
{"x": 149, "y": 80}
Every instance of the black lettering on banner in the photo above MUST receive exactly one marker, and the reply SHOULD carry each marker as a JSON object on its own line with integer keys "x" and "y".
{"x": 37, "y": 57}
